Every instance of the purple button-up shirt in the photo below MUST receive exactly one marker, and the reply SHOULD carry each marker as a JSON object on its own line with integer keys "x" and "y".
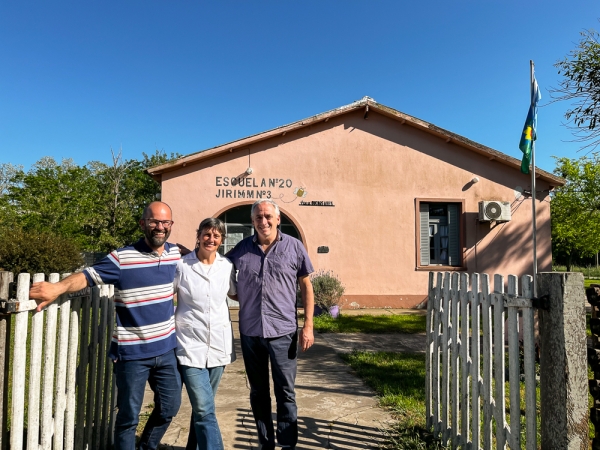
{"x": 267, "y": 284}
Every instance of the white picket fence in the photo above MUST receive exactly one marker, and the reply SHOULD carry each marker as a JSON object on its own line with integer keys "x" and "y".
{"x": 63, "y": 391}
{"x": 465, "y": 365}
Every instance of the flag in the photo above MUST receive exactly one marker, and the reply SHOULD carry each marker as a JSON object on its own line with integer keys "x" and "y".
{"x": 529, "y": 130}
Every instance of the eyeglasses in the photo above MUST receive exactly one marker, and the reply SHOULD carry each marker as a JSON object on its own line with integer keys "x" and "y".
{"x": 153, "y": 223}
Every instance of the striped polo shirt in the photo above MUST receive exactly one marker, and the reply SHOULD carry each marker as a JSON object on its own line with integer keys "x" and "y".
{"x": 143, "y": 282}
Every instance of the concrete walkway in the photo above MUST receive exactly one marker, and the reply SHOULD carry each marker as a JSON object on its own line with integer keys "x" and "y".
{"x": 335, "y": 409}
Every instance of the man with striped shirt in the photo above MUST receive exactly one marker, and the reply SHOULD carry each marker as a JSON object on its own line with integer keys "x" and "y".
{"x": 143, "y": 343}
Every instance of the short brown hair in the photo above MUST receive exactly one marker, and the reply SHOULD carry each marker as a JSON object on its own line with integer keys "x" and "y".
{"x": 211, "y": 224}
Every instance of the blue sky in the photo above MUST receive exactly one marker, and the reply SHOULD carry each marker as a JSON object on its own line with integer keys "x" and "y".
{"x": 77, "y": 78}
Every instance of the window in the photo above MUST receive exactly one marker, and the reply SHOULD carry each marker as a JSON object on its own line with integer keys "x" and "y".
{"x": 439, "y": 234}
{"x": 239, "y": 226}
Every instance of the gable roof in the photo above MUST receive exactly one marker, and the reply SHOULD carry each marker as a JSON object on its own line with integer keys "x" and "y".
{"x": 366, "y": 103}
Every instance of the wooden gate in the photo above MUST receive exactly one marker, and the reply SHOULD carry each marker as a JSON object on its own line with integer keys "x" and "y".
{"x": 466, "y": 389}
{"x": 58, "y": 391}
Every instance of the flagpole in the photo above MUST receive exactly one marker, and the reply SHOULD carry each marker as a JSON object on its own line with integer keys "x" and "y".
{"x": 531, "y": 70}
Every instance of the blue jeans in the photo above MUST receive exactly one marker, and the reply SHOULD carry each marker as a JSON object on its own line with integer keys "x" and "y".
{"x": 164, "y": 379}
{"x": 281, "y": 352}
{"x": 201, "y": 385}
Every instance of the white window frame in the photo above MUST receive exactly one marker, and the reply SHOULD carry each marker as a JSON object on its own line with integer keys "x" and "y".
{"x": 455, "y": 238}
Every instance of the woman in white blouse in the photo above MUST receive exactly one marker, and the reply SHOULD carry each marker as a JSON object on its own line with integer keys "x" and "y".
{"x": 203, "y": 281}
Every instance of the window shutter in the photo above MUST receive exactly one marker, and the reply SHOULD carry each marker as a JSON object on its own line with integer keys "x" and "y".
{"x": 424, "y": 233}
{"x": 453, "y": 236}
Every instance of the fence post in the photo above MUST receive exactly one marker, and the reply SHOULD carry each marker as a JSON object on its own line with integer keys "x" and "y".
{"x": 563, "y": 362}
{"x": 5, "y": 322}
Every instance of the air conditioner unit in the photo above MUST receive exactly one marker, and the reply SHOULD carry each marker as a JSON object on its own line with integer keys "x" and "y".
{"x": 494, "y": 211}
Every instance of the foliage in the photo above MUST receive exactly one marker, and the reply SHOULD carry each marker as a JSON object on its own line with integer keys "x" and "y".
{"x": 327, "y": 287}
{"x": 581, "y": 86}
{"x": 125, "y": 190}
{"x": 8, "y": 172}
{"x": 58, "y": 199}
{"x": 576, "y": 209}
{"x": 37, "y": 252}
{"x": 97, "y": 206}
{"x": 591, "y": 274}
{"x": 396, "y": 323}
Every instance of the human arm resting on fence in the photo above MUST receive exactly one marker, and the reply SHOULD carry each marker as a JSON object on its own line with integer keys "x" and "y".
{"x": 45, "y": 293}
{"x": 307, "y": 337}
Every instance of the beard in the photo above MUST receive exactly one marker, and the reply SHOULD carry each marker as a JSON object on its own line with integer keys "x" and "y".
{"x": 156, "y": 241}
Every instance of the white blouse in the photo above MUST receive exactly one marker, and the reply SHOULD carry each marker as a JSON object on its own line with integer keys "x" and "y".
{"x": 203, "y": 326}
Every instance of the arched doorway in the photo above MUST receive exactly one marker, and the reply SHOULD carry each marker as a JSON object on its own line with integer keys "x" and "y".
{"x": 238, "y": 226}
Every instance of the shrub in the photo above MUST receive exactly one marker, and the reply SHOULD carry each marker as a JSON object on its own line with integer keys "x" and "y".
{"x": 328, "y": 289}
{"x": 37, "y": 252}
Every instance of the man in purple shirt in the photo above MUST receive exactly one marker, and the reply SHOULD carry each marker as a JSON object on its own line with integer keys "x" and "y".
{"x": 270, "y": 264}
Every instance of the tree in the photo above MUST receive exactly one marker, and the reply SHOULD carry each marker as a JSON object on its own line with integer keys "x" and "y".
{"x": 8, "y": 173}
{"x": 125, "y": 190}
{"x": 37, "y": 252}
{"x": 8, "y": 180}
{"x": 576, "y": 209}
{"x": 97, "y": 206}
{"x": 58, "y": 199}
{"x": 581, "y": 86}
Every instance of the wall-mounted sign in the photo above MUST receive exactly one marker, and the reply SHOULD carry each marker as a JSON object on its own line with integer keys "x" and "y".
{"x": 323, "y": 249}
{"x": 316, "y": 203}
{"x": 243, "y": 193}
{"x": 253, "y": 182}
{"x": 238, "y": 187}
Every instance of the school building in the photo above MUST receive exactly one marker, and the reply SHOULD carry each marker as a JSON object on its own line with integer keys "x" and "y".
{"x": 379, "y": 197}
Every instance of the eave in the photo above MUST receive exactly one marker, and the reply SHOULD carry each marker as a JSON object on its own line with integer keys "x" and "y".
{"x": 367, "y": 104}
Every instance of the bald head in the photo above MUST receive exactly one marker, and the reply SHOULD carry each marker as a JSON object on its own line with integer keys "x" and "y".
{"x": 156, "y": 207}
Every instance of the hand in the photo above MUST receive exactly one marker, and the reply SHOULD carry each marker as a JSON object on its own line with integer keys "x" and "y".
{"x": 183, "y": 249}
{"x": 44, "y": 293}
{"x": 307, "y": 338}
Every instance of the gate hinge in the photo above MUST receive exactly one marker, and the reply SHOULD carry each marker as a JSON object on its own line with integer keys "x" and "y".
{"x": 8, "y": 306}
{"x": 542, "y": 302}
{"x": 13, "y": 306}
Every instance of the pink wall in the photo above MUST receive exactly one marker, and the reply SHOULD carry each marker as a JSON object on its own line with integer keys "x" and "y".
{"x": 373, "y": 171}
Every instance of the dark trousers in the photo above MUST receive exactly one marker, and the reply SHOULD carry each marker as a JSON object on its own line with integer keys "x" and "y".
{"x": 164, "y": 379}
{"x": 281, "y": 352}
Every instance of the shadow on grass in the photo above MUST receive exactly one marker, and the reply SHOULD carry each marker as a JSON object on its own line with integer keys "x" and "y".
{"x": 399, "y": 380}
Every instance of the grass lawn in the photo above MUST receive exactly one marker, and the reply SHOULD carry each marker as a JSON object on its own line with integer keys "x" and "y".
{"x": 589, "y": 281}
{"x": 399, "y": 381}
{"x": 398, "y": 323}
{"x": 397, "y": 378}
{"x": 588, "y": 271}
